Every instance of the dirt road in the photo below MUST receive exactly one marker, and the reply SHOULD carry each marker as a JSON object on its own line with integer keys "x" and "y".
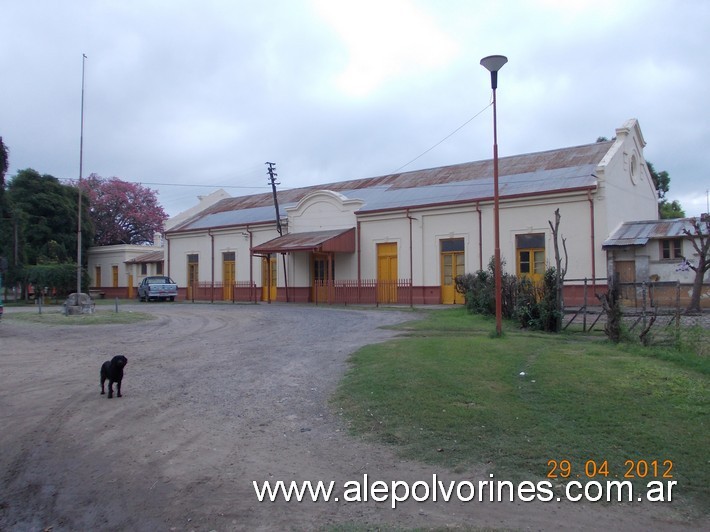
{"x": 215, "y": 397}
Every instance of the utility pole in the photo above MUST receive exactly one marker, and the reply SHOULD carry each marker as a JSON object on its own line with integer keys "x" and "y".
{"x": 273, "y": 183}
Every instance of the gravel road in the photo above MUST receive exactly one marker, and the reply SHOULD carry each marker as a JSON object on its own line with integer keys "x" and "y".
{"x": 215, "y": 397}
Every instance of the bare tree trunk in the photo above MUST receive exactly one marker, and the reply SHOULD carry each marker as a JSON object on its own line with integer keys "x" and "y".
{"x": 612, "y": 308}
{"x": 700, "y": 240}
{"x": 644, "y": 334}
{"x": 560, "y": 271}
{"x": 694, "y": 305}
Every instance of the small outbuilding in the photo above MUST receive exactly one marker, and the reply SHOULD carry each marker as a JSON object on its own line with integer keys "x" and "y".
{"x": 658, "y": 253}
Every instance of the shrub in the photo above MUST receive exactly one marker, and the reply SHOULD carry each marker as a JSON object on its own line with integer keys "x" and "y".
{"x": 479, "y": 289}
{"x": 60, "y": 279}
{"x": 533, "y": 305}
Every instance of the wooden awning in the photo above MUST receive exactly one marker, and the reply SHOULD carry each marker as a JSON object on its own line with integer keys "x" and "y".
{"x": 333, "y": 241}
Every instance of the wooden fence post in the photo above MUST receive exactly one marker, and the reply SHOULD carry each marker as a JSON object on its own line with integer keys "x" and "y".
{"x": 677, "y": 307}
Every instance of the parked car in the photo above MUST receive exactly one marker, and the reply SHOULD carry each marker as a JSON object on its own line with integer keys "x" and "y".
{"x": 158, "y": 287}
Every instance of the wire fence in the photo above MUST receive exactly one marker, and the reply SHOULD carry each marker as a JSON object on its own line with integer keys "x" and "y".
{"x": 653, "y": 312}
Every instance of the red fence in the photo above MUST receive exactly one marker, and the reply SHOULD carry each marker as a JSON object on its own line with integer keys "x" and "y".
{"x": 241, "y": 291}
{"x": 340, "y": 292}
{"x": 364, "y": 291}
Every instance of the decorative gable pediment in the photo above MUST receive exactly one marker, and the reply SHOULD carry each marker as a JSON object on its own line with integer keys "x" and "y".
{"x": 323, "y": 209}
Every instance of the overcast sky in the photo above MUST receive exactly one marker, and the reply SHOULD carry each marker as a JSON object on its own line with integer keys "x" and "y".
{"x": 205, "y": 92}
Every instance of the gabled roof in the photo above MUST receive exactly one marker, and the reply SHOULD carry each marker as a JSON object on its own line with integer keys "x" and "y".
{"x": 544, "y": 172}
{"x": 639, "y": 233}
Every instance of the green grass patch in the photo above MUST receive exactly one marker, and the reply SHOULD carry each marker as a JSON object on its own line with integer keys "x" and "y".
{"x": 52, "y": 316}
{"x": 450, "y": 394}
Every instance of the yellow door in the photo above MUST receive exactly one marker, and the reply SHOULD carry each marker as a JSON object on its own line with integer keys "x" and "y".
{"x": 192, "y": 275}
{"x": 97, "y": 275}
{"x": 387, "y": 272}
{"x": 114, "y": 276}
{"x": 452, "y": 265}
{"x": 130, "y": 286}
{"x": 531, "y": 264}
{"x": 229, "y": 274}
{"x": 268, "y": 279}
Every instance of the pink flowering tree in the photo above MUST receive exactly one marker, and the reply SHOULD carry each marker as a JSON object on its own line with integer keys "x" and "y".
{"x": 123, "y": 212}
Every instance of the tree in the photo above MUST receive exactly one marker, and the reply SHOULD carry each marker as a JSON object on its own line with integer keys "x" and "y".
{"x": 662, "y": 181}
{"x": 45, "y": 214}
{"x": 560, "y": 271}
{"x": 4, "y": 165}
{"x": 43, "y": 219}
{"x": 700, "y": 240}
{"x": 123, "y": 212}
{"x": 670, "y": 210}
{"x": 5, "y": 231}
{"x": 611, "y": 303}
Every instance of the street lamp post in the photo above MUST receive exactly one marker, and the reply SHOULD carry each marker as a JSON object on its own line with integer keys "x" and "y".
{"x": 493, "y": 63}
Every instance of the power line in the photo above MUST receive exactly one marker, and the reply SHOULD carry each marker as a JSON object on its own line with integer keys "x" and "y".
{"x": 266, "y": 187}
{"x": 179, "y": 184}
{"x": 445, "y": 138}
{"x": 199, "y": 186}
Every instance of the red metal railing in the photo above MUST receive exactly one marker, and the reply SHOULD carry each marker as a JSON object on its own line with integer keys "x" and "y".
{"x": 338, "y": 292}
{"x": 241, "y": 291}
{"x": 363, "y": 291}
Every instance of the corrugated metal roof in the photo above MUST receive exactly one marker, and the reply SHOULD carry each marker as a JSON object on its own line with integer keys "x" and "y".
{"x": 534, "y": 173}
{"x": 639, "y": 233}
{"x": 336, "y": 240}
{"x": 225, "y": 218}
{"x": 153, "y": 256}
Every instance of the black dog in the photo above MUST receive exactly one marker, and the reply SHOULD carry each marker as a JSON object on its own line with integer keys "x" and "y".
{"x": 113, "y": 371}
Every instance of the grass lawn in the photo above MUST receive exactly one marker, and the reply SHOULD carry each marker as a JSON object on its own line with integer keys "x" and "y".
{"x": 448, "y": 393}
{"x": 54, "y": 316}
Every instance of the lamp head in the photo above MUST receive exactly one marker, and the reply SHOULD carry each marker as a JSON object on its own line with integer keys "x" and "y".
{"x": 493, "y": 63}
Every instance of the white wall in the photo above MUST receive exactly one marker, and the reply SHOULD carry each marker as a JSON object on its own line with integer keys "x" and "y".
{"x": 626, "y": 190}
{"x": 323, "y": 210}
{"x": 236, "y": 239}
{"x": 108, "y": 256}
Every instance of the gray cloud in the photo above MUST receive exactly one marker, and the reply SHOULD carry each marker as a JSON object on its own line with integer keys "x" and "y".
{"x": 203, "y": 93}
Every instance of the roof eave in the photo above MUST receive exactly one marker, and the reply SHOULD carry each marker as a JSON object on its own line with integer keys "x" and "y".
{"x": 473, "y": 201}
{"x": 220, "y": 227}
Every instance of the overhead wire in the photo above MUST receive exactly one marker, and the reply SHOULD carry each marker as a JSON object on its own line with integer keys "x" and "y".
{"x": 252, "y": 187}
{"x": 445, "y": 138}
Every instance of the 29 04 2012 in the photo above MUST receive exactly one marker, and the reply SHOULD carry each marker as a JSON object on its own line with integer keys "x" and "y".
{"x": 631, "y": 469}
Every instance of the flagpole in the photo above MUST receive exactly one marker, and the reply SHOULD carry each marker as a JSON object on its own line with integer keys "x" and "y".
{"x": 81, "y": 170}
